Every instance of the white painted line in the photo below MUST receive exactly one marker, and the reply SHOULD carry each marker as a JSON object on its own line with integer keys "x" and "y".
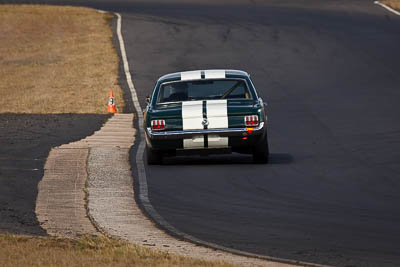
{"x": 387, "y": 7}
{"x": 143, "y": 190}
{"x": 101, "y": 11}
{"x": 16, "y": 169}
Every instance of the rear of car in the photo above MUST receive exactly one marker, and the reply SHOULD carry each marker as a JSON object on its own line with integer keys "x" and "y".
{"x": 205, "y": 112}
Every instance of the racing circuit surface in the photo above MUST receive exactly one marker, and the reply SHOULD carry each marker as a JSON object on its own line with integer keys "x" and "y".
{"x": 329, "y": 71}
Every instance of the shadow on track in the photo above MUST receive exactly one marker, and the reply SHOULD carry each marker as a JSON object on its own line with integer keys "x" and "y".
{"x": 229, "y": 159}
{"x": 25, "y": 141}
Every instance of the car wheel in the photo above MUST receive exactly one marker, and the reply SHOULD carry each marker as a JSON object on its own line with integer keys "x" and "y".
{"x": 261, "y": 151}
{"x": 153, "y": 157}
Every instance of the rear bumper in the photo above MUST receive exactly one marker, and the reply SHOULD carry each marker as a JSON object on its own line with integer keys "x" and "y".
{"x": 156, "y": 135}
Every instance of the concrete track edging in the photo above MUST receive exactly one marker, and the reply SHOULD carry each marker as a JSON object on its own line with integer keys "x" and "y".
{"x": 60, "y": 205}
{"x": 61, "y": 202}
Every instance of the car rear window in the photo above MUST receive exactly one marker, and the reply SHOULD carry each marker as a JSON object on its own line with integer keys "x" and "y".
{"x": 203, "y": 90}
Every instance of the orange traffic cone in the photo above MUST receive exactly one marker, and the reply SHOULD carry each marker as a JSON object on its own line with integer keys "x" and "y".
{"x": 111, "y": 103}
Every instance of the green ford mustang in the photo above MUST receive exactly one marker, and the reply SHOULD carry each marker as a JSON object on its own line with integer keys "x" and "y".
{"x": 205, "y": 112}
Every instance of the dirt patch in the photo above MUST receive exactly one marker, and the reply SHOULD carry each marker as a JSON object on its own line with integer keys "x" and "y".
{"x": 392, "y": 3}
{"x": 56, "y": 60}
{"x": 85, "y": 251}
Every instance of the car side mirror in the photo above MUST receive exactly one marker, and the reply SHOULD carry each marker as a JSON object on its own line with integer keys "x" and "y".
{"x": 148, "y": 99}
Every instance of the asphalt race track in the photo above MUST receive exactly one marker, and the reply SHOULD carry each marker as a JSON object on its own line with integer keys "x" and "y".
{"x": 329, "y": 71}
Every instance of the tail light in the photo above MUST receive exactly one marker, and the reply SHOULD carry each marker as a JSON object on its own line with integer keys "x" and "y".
{"x": 251, "y": 120}
{"x": 158, "y": 125}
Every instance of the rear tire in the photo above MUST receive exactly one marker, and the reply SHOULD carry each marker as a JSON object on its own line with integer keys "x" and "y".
{"x": 153, "y": 157}
{"x": 261, "y": 152}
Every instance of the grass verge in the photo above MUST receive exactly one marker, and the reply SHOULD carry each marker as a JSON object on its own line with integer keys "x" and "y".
{"x": 392, "y": 3}
{"x": 85, "y": 251}
{"x": 56, "y": 59}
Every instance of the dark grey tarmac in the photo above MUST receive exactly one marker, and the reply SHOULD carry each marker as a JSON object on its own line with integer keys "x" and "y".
{"x": 329, "y": 71}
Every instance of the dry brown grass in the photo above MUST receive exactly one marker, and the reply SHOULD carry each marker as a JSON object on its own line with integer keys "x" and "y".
{"x": 56, "y": 60}
{"x": 392, "y": 3}
{"x": 86, "y": 251}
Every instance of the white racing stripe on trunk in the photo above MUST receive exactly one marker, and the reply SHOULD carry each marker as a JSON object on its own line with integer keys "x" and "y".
{"x": 191, "y": 75}
{"x": 214, "y": 74}
{"x": 217, "y": 116}
{"x": 192, "y": 116}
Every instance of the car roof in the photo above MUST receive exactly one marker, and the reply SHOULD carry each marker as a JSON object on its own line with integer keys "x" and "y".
{"x": 204, "y": 74}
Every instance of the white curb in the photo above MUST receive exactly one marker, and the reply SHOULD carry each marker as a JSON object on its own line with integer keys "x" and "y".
{"x": 387, "y": 7}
